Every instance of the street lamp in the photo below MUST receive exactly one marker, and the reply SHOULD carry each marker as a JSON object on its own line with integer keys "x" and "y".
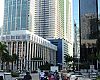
{"x": 78, "y": 57}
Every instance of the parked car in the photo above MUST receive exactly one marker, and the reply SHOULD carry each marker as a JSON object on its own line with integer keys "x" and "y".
{"x": 74, "y": 76}
{"x": 20, "y": 78}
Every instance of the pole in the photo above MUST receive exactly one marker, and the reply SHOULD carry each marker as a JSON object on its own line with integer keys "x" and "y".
{"x": 78, "y": 63}
{"x": 97, "y": 66}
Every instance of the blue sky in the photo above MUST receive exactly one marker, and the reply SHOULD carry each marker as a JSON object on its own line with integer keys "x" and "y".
{"x": 76, "y": 11}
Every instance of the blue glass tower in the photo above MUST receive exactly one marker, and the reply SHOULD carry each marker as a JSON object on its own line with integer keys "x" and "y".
{"x": 16, "y": 15}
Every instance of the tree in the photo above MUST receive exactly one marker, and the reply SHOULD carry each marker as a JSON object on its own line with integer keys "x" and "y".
{"x": 6, "y": 58}
{"x": 98, "y": 45}
{"x": 37, "y": 58}
{"x": 3, "y": 49}
{"x": 14, "y": 57}
{"x": 46, "y": 66}
{"x": 68, "y": 58}
{"x": 98, "y": 50}
{"x": 91, "y": 58}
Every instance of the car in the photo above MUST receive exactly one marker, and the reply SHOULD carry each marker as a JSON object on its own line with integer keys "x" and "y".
{"x": 20, "y": 78}
{"x": 74, "y": 76}
{"x": 93, "y": 75}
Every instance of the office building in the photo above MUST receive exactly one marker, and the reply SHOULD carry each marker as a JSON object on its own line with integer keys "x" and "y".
{"x": 32, "y": 50}
{"x": 88, "y": 22}
{"x": 49, "y": 19}
{"x": 62, "y": 49}
{"x": 63, "y": 20}
{"x": 44, "y": 13}
{"x": 18, "y": 34}
{"x": 53, "y": 20}
{"x": 18, "y": 15}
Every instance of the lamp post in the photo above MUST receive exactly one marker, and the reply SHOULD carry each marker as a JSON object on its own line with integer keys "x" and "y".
{"x": 78, "y": 57}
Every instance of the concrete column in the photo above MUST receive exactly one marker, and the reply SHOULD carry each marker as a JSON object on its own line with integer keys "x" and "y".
{"x": 27, "y": 56}
{"x": 32, "y": 55}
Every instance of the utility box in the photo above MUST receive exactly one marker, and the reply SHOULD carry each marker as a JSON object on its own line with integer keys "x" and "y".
{"x": 54, "y": 68}
{"x": 7, "y": 76}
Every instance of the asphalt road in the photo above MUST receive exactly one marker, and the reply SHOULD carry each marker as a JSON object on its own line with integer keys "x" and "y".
{"x": 35, "y": 76}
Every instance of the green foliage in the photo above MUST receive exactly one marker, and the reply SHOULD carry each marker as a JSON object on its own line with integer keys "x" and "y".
{"x": 68, "y": 58}
{"x": 37, "y": 58}
{"x": 84, "y": 65}
{"x": 3, "y": 49}
{"x": 14, "y": 57}
{"x": 98, "y": 78}
{"x": 14, "y": 74}
{"x": 46, "y": 66}
{"x": 98, "y": 48}
{"x": 98, "y": 44}
{"x": 6, "y": 57}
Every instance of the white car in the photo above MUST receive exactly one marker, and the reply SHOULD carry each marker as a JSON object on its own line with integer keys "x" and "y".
{"x": 74, "y": 76}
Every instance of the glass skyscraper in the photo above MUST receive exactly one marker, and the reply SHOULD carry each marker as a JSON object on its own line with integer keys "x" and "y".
{"x": 88, "y": 19}
{"x": 88, "y": 24}
{"x": 16, "y": 15}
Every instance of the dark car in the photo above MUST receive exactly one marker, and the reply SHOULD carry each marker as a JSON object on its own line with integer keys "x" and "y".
{"x": 19, "y": 79}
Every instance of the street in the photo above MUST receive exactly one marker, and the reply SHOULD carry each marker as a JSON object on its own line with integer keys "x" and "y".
{"x": 35, "y": 76}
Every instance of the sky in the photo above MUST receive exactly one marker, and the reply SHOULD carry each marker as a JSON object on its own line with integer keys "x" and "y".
{"x": 76, "y": 11}
{"x": 1, "y": 12}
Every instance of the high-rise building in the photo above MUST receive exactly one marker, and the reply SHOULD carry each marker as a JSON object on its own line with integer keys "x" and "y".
{"x": 63, "y": 12}
{"x": 18, "y": 15}
{"x": 47, "y": 18}
{"x": 53, "y": 20}
{"x": 18, "y": 35}
{"x": 88, "y": 22}
{"x": 88, "y": 19}
{"x": 44, "y": 14}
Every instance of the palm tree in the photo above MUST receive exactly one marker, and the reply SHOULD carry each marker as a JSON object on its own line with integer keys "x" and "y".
{"x": 68, "y": 58}
{"x": 14, "y": 57}
{"x": 98, "y": 50}
{"x": 6, "y": 58}
{"x": 91, "y": 58}
{"x": 3, "y": 49}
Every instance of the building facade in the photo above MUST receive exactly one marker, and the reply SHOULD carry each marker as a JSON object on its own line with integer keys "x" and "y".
{"x": 32, "y": 50}
{"x": 44, "y": 14}
{"x": 88, "y": 19}
{"x": 88, "y": 22}
{"x": 47, "y": 18}
{"x": 63, "y": 20}
{"x": 53, "y": 20}
{"x": 62, "y": 49}
{"x": 63, "y": 12}
{"x": 16, "y": 15}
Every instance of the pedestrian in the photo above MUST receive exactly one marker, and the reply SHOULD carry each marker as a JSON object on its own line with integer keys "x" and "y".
{"x": 56, "y": 75}
{"x": 27, "y": 76}
{"x": 52, "y": 77}
{"x": 41, "y": 75}
{"x": 49, "y": 75}
{"x": 76, "y": 79}
{"x": 46, "y": 75}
